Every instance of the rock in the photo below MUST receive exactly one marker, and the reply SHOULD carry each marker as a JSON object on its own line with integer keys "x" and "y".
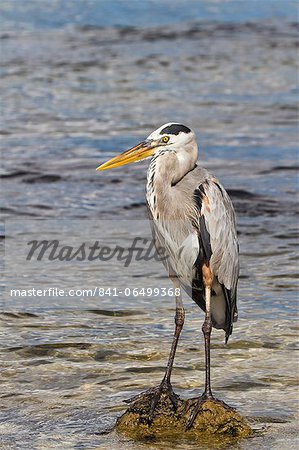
{"x": 214, "y": 421}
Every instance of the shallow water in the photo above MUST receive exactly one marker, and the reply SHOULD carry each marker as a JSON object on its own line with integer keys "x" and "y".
{"x": 76, "y": 90}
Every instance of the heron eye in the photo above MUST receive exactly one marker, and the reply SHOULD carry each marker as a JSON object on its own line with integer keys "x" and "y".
{"x": 165, "y": 139}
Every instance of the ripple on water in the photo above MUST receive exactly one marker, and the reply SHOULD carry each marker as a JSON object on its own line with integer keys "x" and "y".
{"x": 73, "y": 98}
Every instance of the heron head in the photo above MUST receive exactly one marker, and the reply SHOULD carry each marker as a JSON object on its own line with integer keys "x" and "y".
{"x": 170, "y": 136}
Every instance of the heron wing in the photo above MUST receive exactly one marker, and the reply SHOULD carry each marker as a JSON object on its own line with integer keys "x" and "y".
{"x": 218, "y": 242}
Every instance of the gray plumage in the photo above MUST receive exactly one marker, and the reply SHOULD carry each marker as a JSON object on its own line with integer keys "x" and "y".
{"x": 193, "y": 220}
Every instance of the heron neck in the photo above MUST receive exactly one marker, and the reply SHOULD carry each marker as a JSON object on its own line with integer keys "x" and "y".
{"x": 165, "y": 171}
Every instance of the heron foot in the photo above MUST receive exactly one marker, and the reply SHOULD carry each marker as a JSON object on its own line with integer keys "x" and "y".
{"x": 155, "y": 395}
{"x": 198, "y": 402}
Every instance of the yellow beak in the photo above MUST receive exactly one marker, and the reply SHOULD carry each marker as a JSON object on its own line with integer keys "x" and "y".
{"x": 140, "y": 151}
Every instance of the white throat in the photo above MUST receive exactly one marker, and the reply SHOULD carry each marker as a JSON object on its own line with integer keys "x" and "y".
{"x": 166, "y": 169}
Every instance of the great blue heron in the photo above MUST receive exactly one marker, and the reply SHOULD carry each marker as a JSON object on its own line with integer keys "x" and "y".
{"x": 193, "y": 220}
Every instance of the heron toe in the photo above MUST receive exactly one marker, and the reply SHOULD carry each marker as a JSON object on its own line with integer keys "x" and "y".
{"x": 164, "y": 388}
{"x": 155, "y": 394}
{"x": 198, "y": 402}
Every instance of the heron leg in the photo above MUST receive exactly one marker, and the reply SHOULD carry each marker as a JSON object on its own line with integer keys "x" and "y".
{"x": 179, "y": 322}
{"x": 207, "y": 330}
{"x": 165, "y": 385}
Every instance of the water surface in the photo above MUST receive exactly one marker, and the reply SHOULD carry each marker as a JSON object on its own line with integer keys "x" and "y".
{"x": 81, "y": 83}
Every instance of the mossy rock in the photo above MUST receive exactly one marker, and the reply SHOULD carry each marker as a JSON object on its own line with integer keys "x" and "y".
{"x": 213, "y": 422}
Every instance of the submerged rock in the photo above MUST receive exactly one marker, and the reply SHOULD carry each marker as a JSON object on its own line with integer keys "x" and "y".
{"x": 213, "y": 422}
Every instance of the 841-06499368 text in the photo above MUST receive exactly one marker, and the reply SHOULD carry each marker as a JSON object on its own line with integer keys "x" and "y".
{"x": 98, "y": 291}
